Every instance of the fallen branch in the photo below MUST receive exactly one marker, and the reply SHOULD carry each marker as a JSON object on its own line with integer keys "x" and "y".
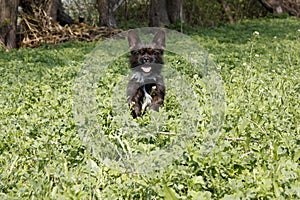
{"x": 235, "y": 139}
{"x": 39, "y": 29}
{"x": 166, "y": 133}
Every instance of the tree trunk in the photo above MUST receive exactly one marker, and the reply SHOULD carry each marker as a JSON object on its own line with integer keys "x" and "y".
{"x": 62, "y": 17}
{"x": 106, "y": 13}
{"x": 8, "y": 22}
{"x": 165, "y": 12}
{"x": 227, "y": 10}
{"x": 53, "y": 8}
{"x": 280, "y": 6}
{"x": 158, "y": 13}
{"x": 115, "y": 4}
{"x": 174, "y": 8}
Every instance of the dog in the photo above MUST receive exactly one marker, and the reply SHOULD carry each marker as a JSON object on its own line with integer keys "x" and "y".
{"x": 146, "y": 88}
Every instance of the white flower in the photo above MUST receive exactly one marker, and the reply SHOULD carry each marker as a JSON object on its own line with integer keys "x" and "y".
{"x": 255, "y": 33}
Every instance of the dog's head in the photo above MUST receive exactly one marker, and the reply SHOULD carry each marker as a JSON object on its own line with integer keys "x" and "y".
{"x": 146, "y": 59}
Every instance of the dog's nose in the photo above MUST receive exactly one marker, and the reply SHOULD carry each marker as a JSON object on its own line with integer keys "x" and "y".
{"x": 146, "y": 59}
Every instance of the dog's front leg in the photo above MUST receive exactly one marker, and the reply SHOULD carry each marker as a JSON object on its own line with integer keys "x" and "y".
{"x": 157, "y": 97}
{"x": 135, "y": 98}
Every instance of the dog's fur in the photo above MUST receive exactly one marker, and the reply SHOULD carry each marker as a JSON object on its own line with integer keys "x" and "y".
{"x": 146, "y": 87}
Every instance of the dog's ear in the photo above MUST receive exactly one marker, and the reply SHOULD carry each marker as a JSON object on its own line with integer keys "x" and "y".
{"x": 133, "y": 40}
{"x": 159, "y": 40}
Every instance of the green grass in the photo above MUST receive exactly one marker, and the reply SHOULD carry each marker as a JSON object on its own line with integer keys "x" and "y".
{"x": 42, "y": 156}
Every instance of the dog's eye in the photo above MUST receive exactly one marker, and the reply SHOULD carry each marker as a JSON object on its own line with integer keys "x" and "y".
{"x": 136, "y": 53}
{"x": 156, "y": 52}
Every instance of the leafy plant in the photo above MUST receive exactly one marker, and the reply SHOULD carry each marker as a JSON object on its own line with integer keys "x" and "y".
{"x": 256, "y": 157}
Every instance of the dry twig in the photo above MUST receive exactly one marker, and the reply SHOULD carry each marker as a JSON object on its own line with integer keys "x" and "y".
{"x": 39, "y": 29}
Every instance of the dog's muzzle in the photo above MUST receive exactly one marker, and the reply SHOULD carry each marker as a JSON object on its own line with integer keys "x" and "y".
{"x": 146, "y": 59}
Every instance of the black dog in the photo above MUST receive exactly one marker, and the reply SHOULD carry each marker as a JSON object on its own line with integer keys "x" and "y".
{"x": 146, "y": 87}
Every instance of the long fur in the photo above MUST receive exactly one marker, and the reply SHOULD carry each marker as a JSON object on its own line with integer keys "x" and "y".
{"x": 146, "y": 87}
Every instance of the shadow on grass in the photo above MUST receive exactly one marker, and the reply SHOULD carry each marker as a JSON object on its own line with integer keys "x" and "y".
{"x": 268, "y": 28}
